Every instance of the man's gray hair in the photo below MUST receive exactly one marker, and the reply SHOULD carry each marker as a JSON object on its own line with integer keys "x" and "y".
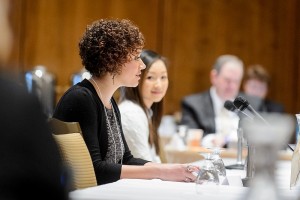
{"x": 221, "y": 60}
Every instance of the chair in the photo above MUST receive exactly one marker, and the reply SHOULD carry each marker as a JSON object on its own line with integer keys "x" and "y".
{"x": 74, "y": 152}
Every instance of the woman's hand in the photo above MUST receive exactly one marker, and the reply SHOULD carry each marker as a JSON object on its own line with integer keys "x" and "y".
{"x": 178, "y": 172}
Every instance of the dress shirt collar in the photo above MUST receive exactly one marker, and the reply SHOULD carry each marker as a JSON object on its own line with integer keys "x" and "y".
{"x": 218, "y": 103}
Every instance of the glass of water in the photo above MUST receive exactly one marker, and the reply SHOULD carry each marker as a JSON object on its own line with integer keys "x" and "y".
{"x": 208, "y": 174}
{"x": 218, "y": 163}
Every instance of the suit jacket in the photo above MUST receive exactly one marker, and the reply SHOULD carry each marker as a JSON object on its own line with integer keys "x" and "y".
{"x": 271, "y": 106}
{"x": 198, "y": 111}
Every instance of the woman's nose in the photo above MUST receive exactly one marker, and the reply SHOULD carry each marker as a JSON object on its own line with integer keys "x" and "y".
{"x": 157, "y": 83}
{"x": 142, "y": 65}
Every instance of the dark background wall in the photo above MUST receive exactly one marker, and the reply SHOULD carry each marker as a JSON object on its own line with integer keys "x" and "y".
{"x": 190, "y": 33}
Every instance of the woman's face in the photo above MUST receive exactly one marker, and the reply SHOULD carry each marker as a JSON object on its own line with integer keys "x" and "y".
{"x": 131, "y": 71}
{"x": 155, "y": 83}
{"x": 256, "y": 87}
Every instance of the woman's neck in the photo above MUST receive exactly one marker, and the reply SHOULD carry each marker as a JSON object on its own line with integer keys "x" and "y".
{"x": 148, "y": 103}
{"x": 105, "y": 88}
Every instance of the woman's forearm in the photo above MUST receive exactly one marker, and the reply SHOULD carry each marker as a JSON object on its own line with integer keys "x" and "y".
{"x": 148, "y": 171}
{"x": 168, "y": 172}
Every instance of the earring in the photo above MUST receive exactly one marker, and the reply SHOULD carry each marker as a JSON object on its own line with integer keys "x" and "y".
{"x": 113, "y": 78}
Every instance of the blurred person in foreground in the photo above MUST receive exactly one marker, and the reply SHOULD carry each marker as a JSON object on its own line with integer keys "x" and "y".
{"x": 110, "y": 50}
{"x": 30, "y": 165}
{"x": 206, "y": 110}
{"x": 256, "y": 83}
{"x": 141, "y": 107}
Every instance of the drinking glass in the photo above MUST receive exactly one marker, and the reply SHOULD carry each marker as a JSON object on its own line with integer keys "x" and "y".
{"x": 182, "y": 132}
{"x": 218, "y": 163}
{"x": 208, "y": 174}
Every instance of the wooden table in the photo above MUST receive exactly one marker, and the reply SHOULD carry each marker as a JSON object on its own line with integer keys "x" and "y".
{"x": 191, "y": 154}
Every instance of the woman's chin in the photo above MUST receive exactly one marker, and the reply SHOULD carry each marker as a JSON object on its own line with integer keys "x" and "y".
{"x": 132, "y": 85}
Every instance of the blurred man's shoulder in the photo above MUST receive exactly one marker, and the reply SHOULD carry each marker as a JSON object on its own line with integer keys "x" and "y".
{"x": 272, "y": 106}
{"x": 196, "y": 96}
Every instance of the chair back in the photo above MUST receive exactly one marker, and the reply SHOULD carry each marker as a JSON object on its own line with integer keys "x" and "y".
{"x": 74, "y": 152}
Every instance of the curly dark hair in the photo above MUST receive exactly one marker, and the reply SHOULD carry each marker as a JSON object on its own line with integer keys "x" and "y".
{"x": 107, "y": 44}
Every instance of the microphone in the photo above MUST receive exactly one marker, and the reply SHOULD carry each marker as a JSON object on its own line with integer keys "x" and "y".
{"x": 231, "y": 107}
{"x": 243, "y": 105}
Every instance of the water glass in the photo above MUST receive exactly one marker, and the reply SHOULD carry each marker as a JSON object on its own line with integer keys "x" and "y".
{"x": 208, "y": 174}
{"x": 218, "y": 163}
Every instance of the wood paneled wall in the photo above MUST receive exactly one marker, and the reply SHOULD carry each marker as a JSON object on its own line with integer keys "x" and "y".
{"x": 191, "y": 33}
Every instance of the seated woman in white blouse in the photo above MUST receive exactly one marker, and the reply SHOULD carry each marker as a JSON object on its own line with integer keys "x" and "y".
{"x": 142, "y": 108}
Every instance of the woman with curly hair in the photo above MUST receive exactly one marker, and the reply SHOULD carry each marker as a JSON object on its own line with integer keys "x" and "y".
{"x": 142, "y": 107}
{"x": 110, "y": 50}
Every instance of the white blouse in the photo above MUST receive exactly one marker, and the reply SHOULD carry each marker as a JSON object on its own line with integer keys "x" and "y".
{"x": 136, "y": 130}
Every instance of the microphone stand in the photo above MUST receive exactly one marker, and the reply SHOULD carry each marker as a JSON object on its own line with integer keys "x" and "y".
{"x": 250, "y": 166}
{"x": 249, "y": 163}
{"x": 239, "y": 165}
{"x": 240, "y": 148}
{"x": 242, "y": 104}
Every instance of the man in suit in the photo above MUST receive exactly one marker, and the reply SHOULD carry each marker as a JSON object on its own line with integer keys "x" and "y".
{"x": 256, "y": 83}
{"x": 206, "y": 110}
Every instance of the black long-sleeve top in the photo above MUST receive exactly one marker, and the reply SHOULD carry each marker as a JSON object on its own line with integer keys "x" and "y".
{"x": 82, "y": 104}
